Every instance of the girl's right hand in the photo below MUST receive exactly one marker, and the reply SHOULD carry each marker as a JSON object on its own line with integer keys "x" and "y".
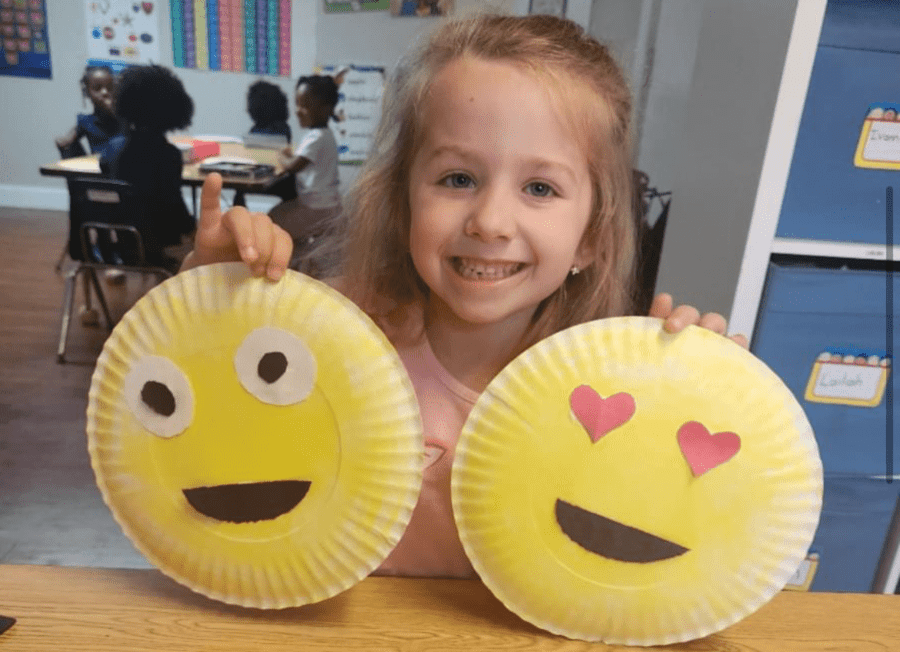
{"x": 237, "y": 235}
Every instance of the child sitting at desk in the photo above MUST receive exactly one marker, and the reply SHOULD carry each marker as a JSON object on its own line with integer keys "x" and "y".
{"x": 314, "y": 164}
{"x": 98, "y": 85}
{"x": 150, "y": 102}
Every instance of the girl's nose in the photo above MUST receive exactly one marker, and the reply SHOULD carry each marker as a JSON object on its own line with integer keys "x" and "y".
{"x": 492, "y": 216}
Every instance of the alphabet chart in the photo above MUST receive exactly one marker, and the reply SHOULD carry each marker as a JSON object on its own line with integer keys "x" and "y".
{"x": 122, "y": 32}
{"x": 232, "y": 35}
{"x": 23, "y": 34}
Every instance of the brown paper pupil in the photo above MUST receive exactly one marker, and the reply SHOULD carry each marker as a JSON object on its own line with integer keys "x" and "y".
{"x": 272, "y": 366}
{"x": 158, "y": 398}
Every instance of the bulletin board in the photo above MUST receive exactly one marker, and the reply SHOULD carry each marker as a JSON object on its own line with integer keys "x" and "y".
{"x": 122, "y": 32}
{"x": 358, "y": 109}
{"x": 232, "y": 35}
{"x": 23, "y": 33}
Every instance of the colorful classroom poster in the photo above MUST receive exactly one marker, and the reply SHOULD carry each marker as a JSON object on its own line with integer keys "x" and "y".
{"x": 122, "y": 32}
{"x": 358, "y": 109}
{"x": 232, "y": 35}
{"x": 23, "y": 32}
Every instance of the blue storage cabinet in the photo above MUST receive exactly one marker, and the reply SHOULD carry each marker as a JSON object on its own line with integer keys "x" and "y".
{"x": 827, "y": 197}
{"x": 856, "y": 516}
{"x": 806, "y": 311}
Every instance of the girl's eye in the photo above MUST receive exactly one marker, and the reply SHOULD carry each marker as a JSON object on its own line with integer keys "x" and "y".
{"x": 457, "y": 180}
{"x": 540, "y": 189}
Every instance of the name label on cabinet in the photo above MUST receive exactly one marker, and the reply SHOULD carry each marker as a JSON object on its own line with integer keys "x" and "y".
{"x": 879, "y": 139}
{"x": 849, "y": 379}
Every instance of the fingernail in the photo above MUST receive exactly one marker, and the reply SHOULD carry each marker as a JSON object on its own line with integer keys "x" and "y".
{"x": 275, "y": 273}
{"x": 250, "y": 253}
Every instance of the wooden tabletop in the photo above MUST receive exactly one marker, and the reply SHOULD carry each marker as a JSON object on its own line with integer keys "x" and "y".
{"x": 190, "y": 174}
{"x": 104, "y": 610}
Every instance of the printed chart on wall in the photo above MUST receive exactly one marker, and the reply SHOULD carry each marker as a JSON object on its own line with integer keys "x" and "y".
{"x": 122, "y": 33}
{"x": 358, "y": 109}
{"x": 232, "y": 35}
{"x": 879, "y": 139}
{"x": 23, "y": 32}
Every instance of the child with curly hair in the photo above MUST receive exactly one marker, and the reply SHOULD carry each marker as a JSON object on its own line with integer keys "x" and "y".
{"x": 150, "y": 102}
{"x": 267, "y": 105}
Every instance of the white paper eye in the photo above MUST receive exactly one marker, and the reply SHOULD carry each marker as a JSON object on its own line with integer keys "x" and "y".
{"x": 275, "y": 366}
{"x": 160, "y": 396}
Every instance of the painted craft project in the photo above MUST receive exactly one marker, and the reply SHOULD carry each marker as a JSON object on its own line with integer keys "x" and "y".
{"x": 616, "y": 483}
{"x": 258, "y": 442}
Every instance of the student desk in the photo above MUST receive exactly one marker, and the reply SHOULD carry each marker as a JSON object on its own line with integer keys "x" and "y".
{"x": 82, "y": 166}
{"x": 105, "y": 610}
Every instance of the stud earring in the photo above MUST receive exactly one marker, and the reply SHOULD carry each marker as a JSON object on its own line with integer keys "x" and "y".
{"x": 574, "y": 271}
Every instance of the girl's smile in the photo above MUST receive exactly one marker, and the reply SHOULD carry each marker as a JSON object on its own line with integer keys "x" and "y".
{"x": 476, "y": 269}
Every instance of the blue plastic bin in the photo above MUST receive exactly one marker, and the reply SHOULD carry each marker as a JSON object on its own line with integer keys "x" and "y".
{"x": 806, "y": 311}
{"x": 827, "y": 197}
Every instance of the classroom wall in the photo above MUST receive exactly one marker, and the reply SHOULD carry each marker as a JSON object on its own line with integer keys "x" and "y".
{"x": 720, "y": 147}
{"x": 715, "y": 70}
{"x": 37, "y": 110}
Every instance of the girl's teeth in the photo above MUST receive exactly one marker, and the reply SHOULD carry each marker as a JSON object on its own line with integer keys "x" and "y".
{"x": 475, "y": 270}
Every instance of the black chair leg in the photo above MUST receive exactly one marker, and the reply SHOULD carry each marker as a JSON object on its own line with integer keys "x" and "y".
{"x": 92, "y": 273}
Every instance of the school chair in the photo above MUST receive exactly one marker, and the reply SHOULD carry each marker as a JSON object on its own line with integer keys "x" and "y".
{"x": 70, "y": 151}
{"x": 648, "y": 202}
{"x": 103, "y": 235}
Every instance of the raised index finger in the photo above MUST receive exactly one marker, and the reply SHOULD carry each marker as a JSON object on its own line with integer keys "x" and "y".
{"x": 210, "y": 206}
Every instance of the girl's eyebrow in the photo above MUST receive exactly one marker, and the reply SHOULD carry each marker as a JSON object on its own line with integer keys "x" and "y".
{"x": 450, "y": 150}
{"x": 538, "y": 164}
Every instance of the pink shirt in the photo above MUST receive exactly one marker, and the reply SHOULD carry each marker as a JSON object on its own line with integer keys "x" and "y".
{"x": 430, "y": 547}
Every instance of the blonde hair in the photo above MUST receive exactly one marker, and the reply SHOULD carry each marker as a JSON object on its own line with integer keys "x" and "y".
{"x": 376, "y": 257}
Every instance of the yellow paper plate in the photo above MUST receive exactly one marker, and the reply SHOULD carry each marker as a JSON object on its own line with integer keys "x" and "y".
{"x": 616, "y": 483}
{"x": 259, "y": 442}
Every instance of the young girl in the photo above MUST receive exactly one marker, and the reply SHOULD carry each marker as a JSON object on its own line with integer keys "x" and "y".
{"x": 97, "y": 85}
{"x": 314, "y": 165}
{"x": 268, "y": 108}
{"x": 150, "y": 102}
{"x": 495, "y": 210}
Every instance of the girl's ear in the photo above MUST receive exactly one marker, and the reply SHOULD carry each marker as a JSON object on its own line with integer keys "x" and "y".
{"x": 584, "y": 255}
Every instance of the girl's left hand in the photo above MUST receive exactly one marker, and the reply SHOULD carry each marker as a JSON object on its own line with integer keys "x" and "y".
{"x": 676, "y": 319}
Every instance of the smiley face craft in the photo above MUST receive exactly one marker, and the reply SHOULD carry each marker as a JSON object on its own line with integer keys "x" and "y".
{"x": 258, "y": 442}
{"x": 617, "y": 483}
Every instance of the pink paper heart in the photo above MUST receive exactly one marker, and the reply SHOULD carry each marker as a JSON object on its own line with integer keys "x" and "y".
{"x": 704, "y": 451}
{"x": 599, "y": 415}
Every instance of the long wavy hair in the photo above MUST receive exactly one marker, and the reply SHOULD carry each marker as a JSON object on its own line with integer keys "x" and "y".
{"x": 376, "y": 258}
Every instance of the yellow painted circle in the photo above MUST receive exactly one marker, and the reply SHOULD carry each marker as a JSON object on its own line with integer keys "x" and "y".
{"x": 614, "y": 537}
{"x": 261, "y": 488}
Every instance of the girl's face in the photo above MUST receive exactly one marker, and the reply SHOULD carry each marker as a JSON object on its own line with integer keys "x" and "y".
{"x": 310, "y": 111}
{"x": 500, "y": 194}
{"x": 100, "y": 86}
